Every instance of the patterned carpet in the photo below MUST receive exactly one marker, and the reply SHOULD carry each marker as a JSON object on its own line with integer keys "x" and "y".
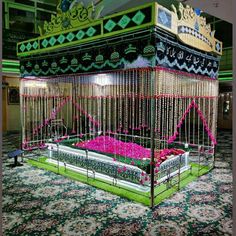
{"x": 37, "y": 202}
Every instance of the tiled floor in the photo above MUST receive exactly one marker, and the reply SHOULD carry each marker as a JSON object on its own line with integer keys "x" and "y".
{"x": 37, "y": 202}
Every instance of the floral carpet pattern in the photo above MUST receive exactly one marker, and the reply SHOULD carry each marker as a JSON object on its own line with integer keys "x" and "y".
{"x": 37, "y": 202}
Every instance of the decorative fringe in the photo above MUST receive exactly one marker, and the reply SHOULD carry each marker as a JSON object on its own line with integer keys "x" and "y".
{"x": 120, "y": 104}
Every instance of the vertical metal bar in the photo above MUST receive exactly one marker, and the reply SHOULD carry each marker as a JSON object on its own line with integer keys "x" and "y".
{"x": 199, "y": 159}
{"x": 86, "y": 152}
{"x": 152, "y": 127}
{"x": 214, "y": 157}
{"x": 215, "y": 117}
{"x": 180, "y": 158}
{"x": 22, "y": 114}
{"x": 58, "y": 157}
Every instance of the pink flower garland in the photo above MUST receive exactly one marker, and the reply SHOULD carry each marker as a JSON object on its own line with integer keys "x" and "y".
{"x": 25, "y": 146}
{"x": 91, "y": 119}
{"x": 192, "y": 105}
{"x": 52, "y": 116}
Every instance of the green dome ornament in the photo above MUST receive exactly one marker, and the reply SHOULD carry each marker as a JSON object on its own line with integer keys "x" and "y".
{"x": 74, "y": 62}
{"x": 115, "y": 57}
{"x": 36, "y": 67}
{"x": 149, "y": 51}
{"x": 99, "y": 59}
{"x": 54, "y": 65}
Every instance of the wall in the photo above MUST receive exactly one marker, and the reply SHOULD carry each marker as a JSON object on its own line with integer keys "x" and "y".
{"x": 225, "y": 110}
{"x": 226, "y": 59}
{"x": 12, "y": 112}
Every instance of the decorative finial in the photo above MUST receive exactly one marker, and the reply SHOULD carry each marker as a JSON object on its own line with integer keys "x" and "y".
{"x": 71, "y": 14}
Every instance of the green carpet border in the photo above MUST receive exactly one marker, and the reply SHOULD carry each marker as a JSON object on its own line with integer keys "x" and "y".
{"x": 134, "y": 195}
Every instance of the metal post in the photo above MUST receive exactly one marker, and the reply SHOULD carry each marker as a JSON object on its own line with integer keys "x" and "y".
{"x": 22, "y": 117}
{"x": 86, "y": 152}
{"x": 168, "y": 180}
{"x": 72, "y": 105}
{"x": 214, "y": 153}
{"x": 199, "y": 160}
{"x": 180, "y": 158}
{"x": 152, "y": 113}
{"x": 58, "y": 158}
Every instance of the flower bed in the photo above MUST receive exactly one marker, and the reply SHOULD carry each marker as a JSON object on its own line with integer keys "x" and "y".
{"x": 110, "y": 145}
